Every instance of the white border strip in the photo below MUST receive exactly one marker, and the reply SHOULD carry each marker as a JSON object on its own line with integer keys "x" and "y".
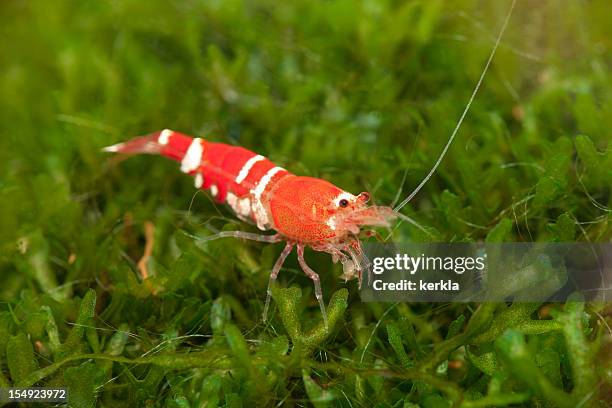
{"x": 193, "y": 157}
{"x": 244, "y": 172}
{"x": 164, "y": 137}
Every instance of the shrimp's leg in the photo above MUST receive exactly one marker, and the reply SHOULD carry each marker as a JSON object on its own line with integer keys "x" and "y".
{"x": 362, "y": 263}
{"x": 348, "y": 266}
{"x": 275, "y": 270}
{"x": 239, "y": 234}
{"x": 315, "y": 279}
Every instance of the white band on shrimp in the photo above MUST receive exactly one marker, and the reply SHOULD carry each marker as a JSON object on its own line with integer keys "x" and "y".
{"x": 244, "y": 172}
{"x": 193, "y": 157}
{"x": 199, "y": 180}
{"x": 260, "y": 213}
{"x": 164, "y": 137}
{"x": 331, "y": 222}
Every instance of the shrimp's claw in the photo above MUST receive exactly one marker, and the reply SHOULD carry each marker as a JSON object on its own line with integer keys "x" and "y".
{"x": 349, "y": 271}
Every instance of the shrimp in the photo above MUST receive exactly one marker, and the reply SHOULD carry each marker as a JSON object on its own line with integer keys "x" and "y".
{"x": 303, "y": 211}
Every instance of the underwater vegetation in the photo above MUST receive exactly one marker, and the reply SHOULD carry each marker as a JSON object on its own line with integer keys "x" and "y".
{"x": 363, "y": 94}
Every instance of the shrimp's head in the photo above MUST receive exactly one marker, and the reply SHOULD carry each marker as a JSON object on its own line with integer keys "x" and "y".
{"x": 351, "y": 212}
{"x": 315, "y": 211}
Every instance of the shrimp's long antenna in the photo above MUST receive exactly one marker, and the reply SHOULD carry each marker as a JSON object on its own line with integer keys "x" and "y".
{"x": 465, "y": 111}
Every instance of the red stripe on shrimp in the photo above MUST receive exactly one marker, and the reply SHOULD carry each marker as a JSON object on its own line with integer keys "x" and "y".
{"x": 236, "y": 165}
{"x": 174, "y": 145}
{"x": 257, "y": 171}
{"x": 215, "y": 177}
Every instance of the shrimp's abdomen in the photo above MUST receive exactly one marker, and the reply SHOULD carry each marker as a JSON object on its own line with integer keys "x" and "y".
{"x": 233, "y": 175}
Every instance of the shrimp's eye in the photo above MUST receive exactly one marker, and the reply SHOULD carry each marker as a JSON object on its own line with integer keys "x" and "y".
{"x": 343, "y": 203}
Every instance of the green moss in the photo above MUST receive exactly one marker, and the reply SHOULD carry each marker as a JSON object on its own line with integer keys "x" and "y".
{"x": 364, "y": 94}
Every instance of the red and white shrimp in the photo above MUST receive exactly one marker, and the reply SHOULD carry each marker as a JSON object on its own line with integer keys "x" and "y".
{"x": 304, "y": 211}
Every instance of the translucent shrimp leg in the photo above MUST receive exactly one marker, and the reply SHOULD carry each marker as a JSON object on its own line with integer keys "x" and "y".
{"x": 275, "y": 270}
{"x": 315, "y": 279}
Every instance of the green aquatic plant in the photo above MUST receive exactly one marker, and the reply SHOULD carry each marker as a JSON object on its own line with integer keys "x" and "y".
{"x": 362, "y": 94}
